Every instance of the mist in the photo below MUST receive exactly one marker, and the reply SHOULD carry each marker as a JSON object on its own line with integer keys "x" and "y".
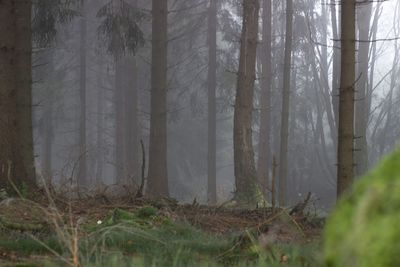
{"x": 95, "y": 87}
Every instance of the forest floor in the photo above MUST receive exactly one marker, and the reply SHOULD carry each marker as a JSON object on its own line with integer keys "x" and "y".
{"x": 121, "y": 232}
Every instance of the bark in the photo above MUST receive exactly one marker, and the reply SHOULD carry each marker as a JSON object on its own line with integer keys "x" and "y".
{"x": 100, "y": 128}
{"x": 361, "y": 117}
{"x": 336, "y": 63}
{"x": 11, "y": 162}
{"x": 346, "y": 98}
{"x": 285, "y": 105}
{"x": 48, "y": 138}
{"x": 212, "y": 120}
{"x": 126, "y": 121}
{"x": 82, "y": 166}
{"x": 264, "y": 159}
{"x": 120, "y": 121}
{"x": 132, "y": 152}
{"x": 23, "y": 10}
{"x": 245, "y": 171}
{"x": 157, "y": 181}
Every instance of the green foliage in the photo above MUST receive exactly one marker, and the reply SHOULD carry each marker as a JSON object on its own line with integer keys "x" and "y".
{"x": 147, "y": 212}
{"x": 3, "y": 194}
{"x": 119, "y": 29}
{"x": 27, "y": 245}
{"x": 364, "y": 229}
{"x": 148, "y": 238}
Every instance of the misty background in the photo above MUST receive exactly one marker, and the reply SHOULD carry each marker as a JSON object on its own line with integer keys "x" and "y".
{"x": 86, "y": 92}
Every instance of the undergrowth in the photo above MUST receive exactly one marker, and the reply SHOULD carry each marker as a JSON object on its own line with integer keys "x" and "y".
{"x": 146, "y": 238}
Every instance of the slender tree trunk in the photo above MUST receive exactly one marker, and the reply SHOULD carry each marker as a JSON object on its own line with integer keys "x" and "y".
{"x": 245, "y": 171}
{"x": 264, "y": 159}
{"x": 100, "y": 127}
{"x": 336, "y": 63}
{"x": 212, "y": 120}
{"x": 389, "y": 103}
{"x": 361, "y": 117}
{"x": 285, "y": 104}
{"x": 23, "y": 10}
{"x": 132, "y": 150}
{"x": 48, "y": 138}
{"x": 82, "y": 168}
{"x": 157, "y": 181}
{"x": 11, "y": 162}
{"x": 120, "y": 120}
{"x": 346, "y": 98}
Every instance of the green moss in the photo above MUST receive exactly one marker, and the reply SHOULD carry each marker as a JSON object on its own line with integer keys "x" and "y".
{"x": 364, "y": 231}
{"x": 146, "y": 212}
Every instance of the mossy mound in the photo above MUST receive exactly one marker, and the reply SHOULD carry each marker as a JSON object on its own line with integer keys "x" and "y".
{"x": 364, "y": 229}
{"x": 22, "y": 215}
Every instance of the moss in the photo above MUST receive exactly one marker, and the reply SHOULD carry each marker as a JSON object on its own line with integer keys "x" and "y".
{"x": 146, "y": 212}
{"x": 364, "y": 228}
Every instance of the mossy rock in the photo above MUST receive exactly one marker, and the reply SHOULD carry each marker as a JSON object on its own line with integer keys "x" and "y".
{"x": 22, "y": 215}
{"x": 364, "y": 229}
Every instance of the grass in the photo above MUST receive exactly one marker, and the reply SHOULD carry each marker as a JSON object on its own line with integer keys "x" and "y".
{"x": 146, "y": 238}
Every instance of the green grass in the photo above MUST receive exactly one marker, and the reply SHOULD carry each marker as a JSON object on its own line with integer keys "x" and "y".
{"x": 145, "y": 238}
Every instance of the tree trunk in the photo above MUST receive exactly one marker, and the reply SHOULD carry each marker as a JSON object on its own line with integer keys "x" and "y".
{"x": 157, "y": 181}
{"x": 120, "y": 121}
{"x": 245, "y": 171}
{"x": 336, "y": 63}
{"x": 23, "y": 10}
{"x": 346, "y": 98}
{"x": 11, "y": 161}
{"x": 100, "y": 126}
{"x": 285, "y": 104}
{"x": 264, "y": 158}
{"x": 361, "y": 117}
{"x": 212, "y": 120}
{"x": 132, "y": 150}
{"x": 126, "y": 121}
{"x": 82, "y": 168}
{"x": 48, "y": 137}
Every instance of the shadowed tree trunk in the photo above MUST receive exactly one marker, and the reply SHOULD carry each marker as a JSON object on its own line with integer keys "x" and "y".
{"x": 23, "y": 10}
{"x": 285, "y": 104}
{"x": 11, "y": 161}
{"x": 361, "y": 117}
{"x": 157, "y": 181}
{"x": 212, "y": 83}
{"x": 346, "y": 98}
{"x": 264, "y": 159}
{"x": 245, "y": 171}
{"x": 82, "y": 168}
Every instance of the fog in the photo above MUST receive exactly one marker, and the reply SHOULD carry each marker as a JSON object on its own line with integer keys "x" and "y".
{"x": 92, "y": 89}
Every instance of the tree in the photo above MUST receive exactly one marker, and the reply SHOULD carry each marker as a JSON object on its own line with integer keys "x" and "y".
{"x": 120, "y": 32}
{"x": 13, "y": 171}
{"x": 285, "y": 104}
{"x": 264, "y": 158}
{"x": 346, "y": 98}
{"x": 364, "y": 14}
{"x": 23, "y": 10}
{"x": 82, "y": 157}
{"x": 245, "y": 171}
{"x": 212, "y": 83}
{"x": 157, "y": 181}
